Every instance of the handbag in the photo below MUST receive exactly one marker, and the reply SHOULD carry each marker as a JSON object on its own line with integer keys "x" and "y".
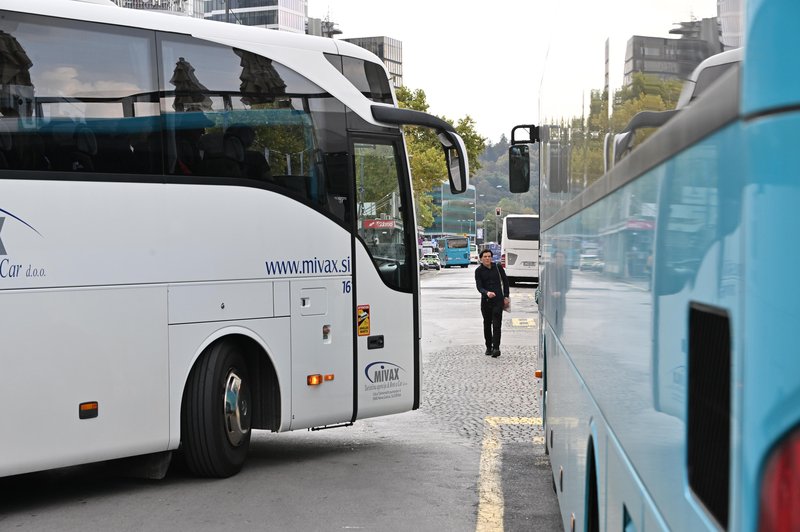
{"x": 506, "y": 306}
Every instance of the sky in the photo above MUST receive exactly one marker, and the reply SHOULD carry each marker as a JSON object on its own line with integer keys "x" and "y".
{"x": 488, "y": 60}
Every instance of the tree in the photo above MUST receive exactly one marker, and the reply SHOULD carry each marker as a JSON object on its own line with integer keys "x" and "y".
{"x": 585, "y": 138}
{"x": 428, "y": 168}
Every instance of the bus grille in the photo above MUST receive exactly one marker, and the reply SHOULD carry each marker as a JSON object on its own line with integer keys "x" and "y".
{"x": 709, "y": 397}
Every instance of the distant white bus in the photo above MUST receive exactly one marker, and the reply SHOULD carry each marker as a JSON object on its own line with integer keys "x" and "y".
{"x": 519, "y": 253}
{"x": 205, "y": 229}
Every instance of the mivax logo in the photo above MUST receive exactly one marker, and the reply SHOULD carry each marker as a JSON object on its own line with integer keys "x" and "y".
{"x": 384, "y": 372}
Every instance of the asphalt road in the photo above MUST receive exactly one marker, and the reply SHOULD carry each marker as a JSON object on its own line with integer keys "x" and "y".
{"x": 471, "y": 458}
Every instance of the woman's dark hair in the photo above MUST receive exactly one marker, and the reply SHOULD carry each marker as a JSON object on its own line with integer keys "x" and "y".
{"x": 489, "y": 251}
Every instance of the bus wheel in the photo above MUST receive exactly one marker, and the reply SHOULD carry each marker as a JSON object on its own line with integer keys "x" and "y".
{"x": 215, "y": 420}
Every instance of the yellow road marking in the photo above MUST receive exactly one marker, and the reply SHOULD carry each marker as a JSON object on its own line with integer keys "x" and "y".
{"x": 490, "y": 489}
{"x": 523, "y": 322}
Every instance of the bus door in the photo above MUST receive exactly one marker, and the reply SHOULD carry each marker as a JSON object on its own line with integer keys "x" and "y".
{"x": 387, "y": 365}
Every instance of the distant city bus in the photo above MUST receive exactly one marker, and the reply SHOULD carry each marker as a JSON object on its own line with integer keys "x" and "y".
{"x": 670, "y": 369}
{"x": 519, "y": 253}
{"x": 454, "y": 251}
{"x": 184, "y": 256}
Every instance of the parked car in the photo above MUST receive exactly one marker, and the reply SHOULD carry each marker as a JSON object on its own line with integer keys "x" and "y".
{"x": 473, "y": 254}
{"x": 590, "y": 263}
{"x": 431, "y": 261}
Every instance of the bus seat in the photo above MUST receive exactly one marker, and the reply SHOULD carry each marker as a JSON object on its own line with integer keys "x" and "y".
{"x": 6, "y": 142}
{"x": 255, "y": 164}
{"x": 147, "y": 154}
{"x": 74, "y": 147}
{"x": 223, "y": 155}
{"x": 30, "y": 152}
{"x": 188, "y": 156}
{"x": 114, "y": 154}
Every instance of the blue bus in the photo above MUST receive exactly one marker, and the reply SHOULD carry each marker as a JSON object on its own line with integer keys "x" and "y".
{"x": 454, "y": 251}
{"x": 671, "y": 379}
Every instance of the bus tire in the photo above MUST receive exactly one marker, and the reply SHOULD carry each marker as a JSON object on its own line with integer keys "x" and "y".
{"x": 215, "y": 419}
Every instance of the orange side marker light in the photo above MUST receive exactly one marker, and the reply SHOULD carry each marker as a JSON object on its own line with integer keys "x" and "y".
{"x": 88, "y": 410}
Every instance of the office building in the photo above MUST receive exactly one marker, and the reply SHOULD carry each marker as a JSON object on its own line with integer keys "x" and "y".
{"x": 670, "y": 58}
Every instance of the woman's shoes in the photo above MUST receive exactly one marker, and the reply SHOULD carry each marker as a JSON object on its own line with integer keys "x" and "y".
{"x": 495, "y": 353}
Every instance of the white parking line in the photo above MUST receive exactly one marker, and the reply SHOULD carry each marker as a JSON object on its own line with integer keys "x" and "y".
{"x": 490, "y": 489}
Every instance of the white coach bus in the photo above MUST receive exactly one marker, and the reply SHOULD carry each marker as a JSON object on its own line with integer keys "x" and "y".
{"x": 519, "y": 253}
{"x": 205, "y": 229}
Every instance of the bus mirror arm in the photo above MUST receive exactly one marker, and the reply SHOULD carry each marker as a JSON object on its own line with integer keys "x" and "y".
{"x": 533, "y": 134}
{"x": 455, "y": 151}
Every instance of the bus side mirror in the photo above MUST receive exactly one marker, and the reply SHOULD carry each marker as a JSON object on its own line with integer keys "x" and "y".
{"x": 519, "y": 158}
{"x": 519, "y": 168}
{"x": 455, "y": 155}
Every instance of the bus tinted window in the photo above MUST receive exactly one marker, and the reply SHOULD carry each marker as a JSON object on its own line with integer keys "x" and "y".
{"x": 369, "y": 78}
{"x": 232, "y": 113}
{"x": 229, "y": 113}
{"x": 66, "y": 107}
{"x": 522, "y": 228}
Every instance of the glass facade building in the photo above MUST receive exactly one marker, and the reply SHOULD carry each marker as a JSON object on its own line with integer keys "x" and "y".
{"x": 389, "y": 50}
{"x": 456, "y": 216}
{"x": 286, "y": 15}
{"x": 731, "y": 21}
